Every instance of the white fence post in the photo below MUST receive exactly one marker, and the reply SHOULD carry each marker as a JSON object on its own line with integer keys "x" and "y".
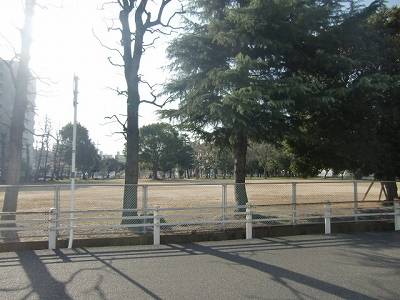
{"x": 294, "y": 215}
{"x": 224, "y": 196}
{"x": 156, "y": 231}
{"x": 52, "y": 228}
{"x": 355, "y": 204}
{"x": 144, "y": 205}
{"x": 327, "y": 213}
{"x": 249, "y": 223}
{"x": 397, "y": 215}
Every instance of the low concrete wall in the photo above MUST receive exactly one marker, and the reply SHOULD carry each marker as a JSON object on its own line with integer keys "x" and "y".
{"x": 201, "y": 236}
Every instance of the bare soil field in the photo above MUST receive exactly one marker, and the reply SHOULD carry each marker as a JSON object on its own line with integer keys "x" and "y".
{"x": 209, "y": 193}
{"x": 197, "y": 194}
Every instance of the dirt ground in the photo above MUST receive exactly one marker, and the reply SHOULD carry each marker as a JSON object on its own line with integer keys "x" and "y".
{"x": 198, "y": 194}
{"x": 172, "y": 195}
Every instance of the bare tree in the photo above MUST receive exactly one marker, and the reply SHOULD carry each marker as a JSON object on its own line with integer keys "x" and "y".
{"x": 28, "y": 163}
{"x": 56, "y": 166}
{"x": 150, "y": 19}
{"x": 43, "y": 153}
{"x": 17, "y": 126}
{"x": 47, "y": 134}
{"x": 39, "y": 158}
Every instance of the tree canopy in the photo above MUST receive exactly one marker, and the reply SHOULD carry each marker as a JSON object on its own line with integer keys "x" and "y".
{"x": 163, "y": 149}
{"x": 246, "y": 70}
{"x": 87, "y": 158}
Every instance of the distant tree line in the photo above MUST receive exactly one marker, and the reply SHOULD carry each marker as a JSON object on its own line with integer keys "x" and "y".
{"x": 53, "y": 153}
{"x": 170, "y": 154}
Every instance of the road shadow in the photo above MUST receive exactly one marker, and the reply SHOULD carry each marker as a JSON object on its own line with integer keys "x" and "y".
{"x": 77, "y": 255}
{"x": 279, "y": 274}
{"x": 43, "y": 283}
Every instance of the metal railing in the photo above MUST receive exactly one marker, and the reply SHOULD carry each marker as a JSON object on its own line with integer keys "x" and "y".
{"x": 188, "y": 206}
{"x": 247, "y": 218}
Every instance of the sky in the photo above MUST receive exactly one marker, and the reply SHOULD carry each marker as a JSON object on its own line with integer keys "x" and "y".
{"x": 64, "y": 45}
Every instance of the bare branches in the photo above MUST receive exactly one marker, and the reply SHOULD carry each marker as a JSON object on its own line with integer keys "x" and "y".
{"x": 160, "y": 31}
{"x": 176, "y": 13}
{"x": 150, "y": 45}
{"x": 113, "y": 63}
{"x": 45, "y": 80}
{"x": 123, "y": 124}
{"x": 29, "y": 131}
{"x": 105, "y": 46}
{"x": 104, "y": 4}
{"x": 151, "y": 87}
{"x": 119, "y": 92}
{"x": 49, "y": 4}
{"x": 153, "y": 95}
{"x": 112, "y": 27}
{"x": 148, "y": 24}
{"x": 153, "y": 102}
{"x": 46, "y": 134}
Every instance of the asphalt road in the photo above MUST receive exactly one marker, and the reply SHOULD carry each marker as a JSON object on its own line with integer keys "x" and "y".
{"x": 363, "y": 266}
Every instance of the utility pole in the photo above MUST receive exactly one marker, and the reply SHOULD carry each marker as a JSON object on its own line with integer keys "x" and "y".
{"x": 73, "y": 171}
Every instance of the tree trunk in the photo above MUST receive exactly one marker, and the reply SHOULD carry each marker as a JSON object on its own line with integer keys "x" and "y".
{"x": 155, "y": 171}
{"x": 3, "y": 156}
{"x": 14, "y": 147}
{"x": 28, "y": 164}
{"x": 131, "y": 69}
{"x": 132, "y": 158}
{"x": 132, "y": 59}
{"x": 391, "y": 192}
{"x": 239, "y": 153}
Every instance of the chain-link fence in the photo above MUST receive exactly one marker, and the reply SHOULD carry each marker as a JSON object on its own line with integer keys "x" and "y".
{"x": 25, "y": 209}
{"x": 118, "y": 210}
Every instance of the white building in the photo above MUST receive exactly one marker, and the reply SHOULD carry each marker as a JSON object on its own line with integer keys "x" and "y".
{"x": 7, "y": 98}
{"x": 120, "y": 157}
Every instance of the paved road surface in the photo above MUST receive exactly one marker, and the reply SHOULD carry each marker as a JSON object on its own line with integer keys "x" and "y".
{"x": 363, "y": 266}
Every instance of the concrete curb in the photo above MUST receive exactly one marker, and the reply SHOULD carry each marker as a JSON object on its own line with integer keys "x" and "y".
{"x": 202, "y": 236}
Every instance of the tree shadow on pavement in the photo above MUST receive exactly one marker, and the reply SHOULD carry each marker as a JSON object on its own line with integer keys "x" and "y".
{"x": 46, "y": 286}
{"x": 278, "y": 274}
{"x": 122, "y": 274}
{"x": 41, "y": 281}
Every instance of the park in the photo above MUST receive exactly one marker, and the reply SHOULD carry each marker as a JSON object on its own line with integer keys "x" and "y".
{"x": 176, "y": 149}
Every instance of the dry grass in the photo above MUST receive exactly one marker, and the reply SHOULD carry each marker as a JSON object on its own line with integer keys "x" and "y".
{"x": 174, "y": 195}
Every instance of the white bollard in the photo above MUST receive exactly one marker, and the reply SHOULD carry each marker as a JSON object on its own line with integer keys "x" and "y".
{"x": 328, "y": 213}
{"x": 397, "y": 215}
{"x": 156, "y": 230}
{"x": 355, "y": 201}
{"x": 249, "y": 223}
{"x": 294, "y": 214}
{"x": 53, "y": 229}
{"x": 144, "y": 205}
{"x": 223, "y": 212}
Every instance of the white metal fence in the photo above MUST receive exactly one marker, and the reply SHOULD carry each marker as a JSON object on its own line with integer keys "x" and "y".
{"x": 168, "y": 208}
